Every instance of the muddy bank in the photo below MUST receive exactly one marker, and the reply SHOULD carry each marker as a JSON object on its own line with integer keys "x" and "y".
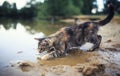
{"x": 103, "y": 62}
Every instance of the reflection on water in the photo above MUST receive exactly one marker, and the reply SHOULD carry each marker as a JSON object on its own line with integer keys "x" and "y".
{"x": 14, "y": 40}
{"x": 32, "y": 26}
{"x": 17, "y": 39}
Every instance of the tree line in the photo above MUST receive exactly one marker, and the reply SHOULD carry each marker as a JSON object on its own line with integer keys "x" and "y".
{"x": 8, "y": 10}
{"x": 52, "y": 9}
{"x": 64, "y": 8}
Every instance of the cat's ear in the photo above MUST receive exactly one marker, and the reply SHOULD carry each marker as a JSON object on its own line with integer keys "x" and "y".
{"x": 39, "y": 39}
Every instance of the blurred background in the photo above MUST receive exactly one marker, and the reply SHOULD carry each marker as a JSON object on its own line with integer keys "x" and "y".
{"x": 44, "y": 9}
{"x": 23, "y": 20}
{"x": 36, "y": 13}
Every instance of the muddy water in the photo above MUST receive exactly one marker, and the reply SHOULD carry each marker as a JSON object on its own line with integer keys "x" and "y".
{"x": 67, "y": 60}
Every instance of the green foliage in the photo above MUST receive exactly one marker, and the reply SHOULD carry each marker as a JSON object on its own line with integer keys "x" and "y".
{"x": 78, "y": 4}
{"x": 42, "y": 10}
{"x": 71, "y": 9}
{"x": 59, "y": 8}
{"x": 51, "y": 9}
{"x": 14, "y": 11}
{"x": 10, "y": 11}
{"x": 5, "y": 9}
{"x": 27, "y": 12}
{"x": 87, "y": 6}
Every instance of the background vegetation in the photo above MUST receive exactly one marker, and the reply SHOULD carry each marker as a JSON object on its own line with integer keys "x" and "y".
{"x": 53, "y": 9}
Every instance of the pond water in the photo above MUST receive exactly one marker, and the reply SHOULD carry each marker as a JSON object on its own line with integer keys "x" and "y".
{"x": 17, "y": 39}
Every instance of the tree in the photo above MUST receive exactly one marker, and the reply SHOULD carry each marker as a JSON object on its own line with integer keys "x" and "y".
{"x": 14, "y": 11}
{"x": 6, "y": 9}
{"x": 28, "y": 11}
{"x": 87, "y": 6}
{"x": 71, "y": 9}
{"x": 61, "y": 8}
{"x": 78, "y": 3}
{"x": 55, "y": 9}
{"x": 11, "y": 11}
{"x": 42, "y": 12}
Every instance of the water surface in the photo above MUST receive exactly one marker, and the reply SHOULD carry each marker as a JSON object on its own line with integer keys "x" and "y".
{"x": 17, "y": 39}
